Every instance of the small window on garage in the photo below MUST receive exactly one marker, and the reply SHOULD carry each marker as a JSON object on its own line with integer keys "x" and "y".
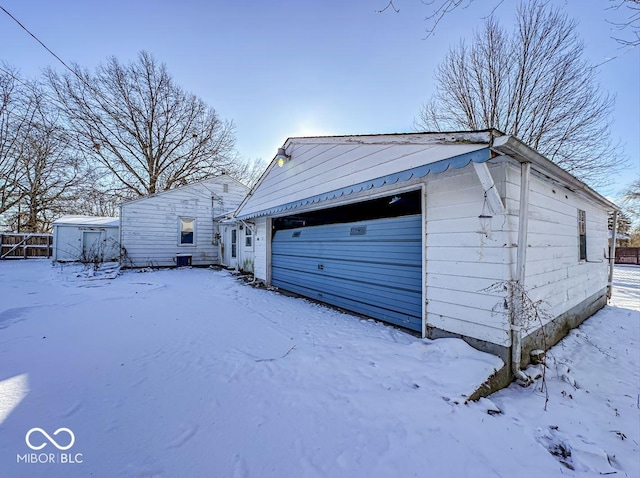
{"x": 582, "y": 234}
{"x": 248, "y": 237}
{"x": 187, "y": 231}
{"x": 225, "y": 188}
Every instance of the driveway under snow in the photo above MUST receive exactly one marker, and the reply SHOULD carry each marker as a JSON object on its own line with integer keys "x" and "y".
{"x": 191, "y": 373}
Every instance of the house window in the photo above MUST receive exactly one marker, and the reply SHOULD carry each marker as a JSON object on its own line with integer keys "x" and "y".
{"x": 248, "y": 237}
{"x": 582, "y": 234}
{"x": 187, "y": 230}
{"x": 225, "y": 188}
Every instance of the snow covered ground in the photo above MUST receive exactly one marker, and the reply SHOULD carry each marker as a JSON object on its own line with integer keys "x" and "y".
{"x": 191, "y": 373}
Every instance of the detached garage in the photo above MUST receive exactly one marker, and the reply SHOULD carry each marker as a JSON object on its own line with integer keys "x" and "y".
{"x": 432, "y": 232}
{"x": 86, "y": 238}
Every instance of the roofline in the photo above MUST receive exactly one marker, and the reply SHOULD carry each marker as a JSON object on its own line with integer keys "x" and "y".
{"x": 108, "y": 223}
{"x": 516, "y": 149}
{"x": 148, "y": 196}
{"x": 311, "y": 139}
{"x": 493, "y": 133}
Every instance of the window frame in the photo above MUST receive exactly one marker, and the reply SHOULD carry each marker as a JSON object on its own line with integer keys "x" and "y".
{"x": 248, "y": 237}
{"x": 180, "y": 229}
{"x": 582, "y": 235}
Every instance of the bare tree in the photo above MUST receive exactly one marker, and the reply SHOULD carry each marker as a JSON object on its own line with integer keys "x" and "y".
{"x": 532, "y": 83}
{"x": 142, "y": 128}
{"x": 632, "y": 23}
{"x": 50, "y": 172}
{"x": 631, "y": 199}
{"x": 438, "y": 9}
{"x": 16, "y": 113}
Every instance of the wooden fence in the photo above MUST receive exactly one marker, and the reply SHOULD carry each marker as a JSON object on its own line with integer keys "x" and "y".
{"x": 25, "y": 245}
{"x": 628, "y": 255}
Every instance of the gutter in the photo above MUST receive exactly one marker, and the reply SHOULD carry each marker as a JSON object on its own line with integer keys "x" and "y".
{"x": 513, "y": 147}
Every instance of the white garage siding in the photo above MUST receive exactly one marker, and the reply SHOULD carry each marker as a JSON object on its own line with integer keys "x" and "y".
{"x": 262, "y": 248}
{"x": 325, "y": 165}
{"x": 554, "y": 272}
{"x": 466, "y": 255}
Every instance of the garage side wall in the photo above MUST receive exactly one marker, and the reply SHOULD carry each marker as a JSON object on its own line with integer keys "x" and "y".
{"x": 261, "y": 248}
{"x": 467, "y": 255}
{"x": 570, "y": 288}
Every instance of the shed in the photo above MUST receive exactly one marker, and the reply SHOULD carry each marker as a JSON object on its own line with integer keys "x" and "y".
{"x": 434, "y": 232}
{"x": 86, "y": 238}
{"x": 180, "y": 226}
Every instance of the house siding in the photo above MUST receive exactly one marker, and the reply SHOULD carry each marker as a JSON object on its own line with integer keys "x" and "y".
{"x": 150, "y": 226}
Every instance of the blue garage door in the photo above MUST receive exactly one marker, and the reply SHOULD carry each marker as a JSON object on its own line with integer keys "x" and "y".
{"x": 371, "y": 267}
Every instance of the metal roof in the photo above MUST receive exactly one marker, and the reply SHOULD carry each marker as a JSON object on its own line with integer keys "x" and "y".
{"x": 77, "y": 220}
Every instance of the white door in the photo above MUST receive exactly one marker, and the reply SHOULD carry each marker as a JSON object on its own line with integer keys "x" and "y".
{"x": 230, "y": 246}
{"x": 92, "y": 249}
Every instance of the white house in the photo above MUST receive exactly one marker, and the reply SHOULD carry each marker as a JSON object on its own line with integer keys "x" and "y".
{"x": 181, "y": 226}
{"x": 86, "y": 238}
{"x": 432, "y": 231}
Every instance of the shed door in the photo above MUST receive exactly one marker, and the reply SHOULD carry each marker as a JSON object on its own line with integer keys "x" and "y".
{"x": 91, "y": 245}
{"x": 370, "y": 267}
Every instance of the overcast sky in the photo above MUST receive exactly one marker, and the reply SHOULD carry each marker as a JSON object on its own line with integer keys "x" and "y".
{"x": 291, "y": 68}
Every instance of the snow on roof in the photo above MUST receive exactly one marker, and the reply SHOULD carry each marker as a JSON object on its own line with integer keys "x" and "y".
{"x": 71, "y": 219}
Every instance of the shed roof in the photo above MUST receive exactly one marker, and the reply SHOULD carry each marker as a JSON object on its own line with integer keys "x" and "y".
{"x": 78, "y": 220}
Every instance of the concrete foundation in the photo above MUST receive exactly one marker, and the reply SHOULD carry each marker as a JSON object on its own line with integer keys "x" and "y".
{"x": 552, "y": 332}
{"x": 543, "y": 338}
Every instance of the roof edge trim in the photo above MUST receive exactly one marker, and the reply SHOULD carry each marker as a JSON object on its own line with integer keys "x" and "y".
{"x": 516, "y": 149}
{"x": 455, "y": 162}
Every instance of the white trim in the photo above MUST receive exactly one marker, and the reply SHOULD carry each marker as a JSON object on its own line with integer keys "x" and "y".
{"x": 195, "y": 229}
{"x": 425, "y": 304}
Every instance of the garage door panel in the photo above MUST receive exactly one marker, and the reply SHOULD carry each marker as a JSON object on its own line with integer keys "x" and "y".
{"x": 370, "y": 267}
{"x": 384, "y": 274}
{"x": 387, "y": 297}
{"x": 384, "y": 252}
{"x": 349, "y": 303}
{"x": 402, "y": 228}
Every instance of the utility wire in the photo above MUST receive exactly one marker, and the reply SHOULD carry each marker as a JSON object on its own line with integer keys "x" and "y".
{"x": 38, "y": 40}
{"x": 74, "y": 72}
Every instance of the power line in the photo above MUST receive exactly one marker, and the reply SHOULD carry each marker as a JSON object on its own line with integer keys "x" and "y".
{"x": 74, "y": 72}
{"x": 94, "y": 90}
{"x": 39, "y": 41}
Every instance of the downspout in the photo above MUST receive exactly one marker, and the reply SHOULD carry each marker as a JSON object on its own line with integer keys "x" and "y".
{"x": 612, "y": 253}
{"x": 521, "y": 262}
{"x": 120, "y": 237}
